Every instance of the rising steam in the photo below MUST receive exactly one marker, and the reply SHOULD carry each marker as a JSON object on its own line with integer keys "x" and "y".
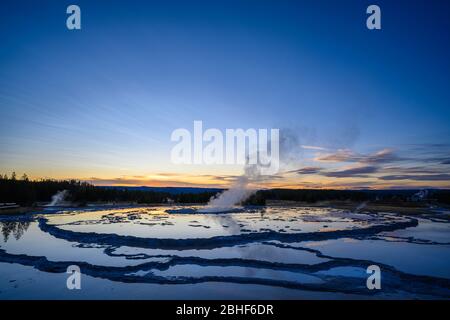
{"x": 58, "y": 198}
{"x": 238, "y": 192}
{"x": 242, "y": 189}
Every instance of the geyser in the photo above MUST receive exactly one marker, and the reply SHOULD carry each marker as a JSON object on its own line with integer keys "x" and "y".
{"x": 238, "y": 192}
{"x": 58, "y": 198}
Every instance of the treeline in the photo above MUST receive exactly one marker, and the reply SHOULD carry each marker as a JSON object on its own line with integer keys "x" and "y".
{"x": 315, "y": 195}
{"x": 27, "y": 192}
{"x": 312, "y": 195}
{"x": 442, "y": 196}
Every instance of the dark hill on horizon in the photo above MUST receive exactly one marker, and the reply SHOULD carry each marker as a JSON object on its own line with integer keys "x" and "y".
{"x": 170, "y": 190}
{"x": 29, "y": 192}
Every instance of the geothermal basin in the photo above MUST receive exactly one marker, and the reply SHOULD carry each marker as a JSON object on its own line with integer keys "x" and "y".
{"x": 178, "y": 252}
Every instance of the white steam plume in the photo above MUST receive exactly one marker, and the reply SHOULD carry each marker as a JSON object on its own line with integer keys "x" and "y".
{"x": 238, "y": 192}
{"x": 241, "y": 189}
{"x": 58, "y": 198}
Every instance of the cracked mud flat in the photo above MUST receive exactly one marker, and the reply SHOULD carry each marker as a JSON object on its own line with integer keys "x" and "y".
{"x": 265, "y": 253}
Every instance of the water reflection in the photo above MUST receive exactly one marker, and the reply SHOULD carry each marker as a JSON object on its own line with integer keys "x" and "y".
{"x": 304, "y": 249}
{"x": 16, "y": 228}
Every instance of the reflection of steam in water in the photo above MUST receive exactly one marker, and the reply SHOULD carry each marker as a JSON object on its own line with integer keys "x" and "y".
{"x": 256, "y": 251}
{"x": 17, "y": 228}
{"x": 226, "y": 221}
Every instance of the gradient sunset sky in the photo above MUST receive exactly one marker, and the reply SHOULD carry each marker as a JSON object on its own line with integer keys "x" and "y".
{"x": 363, "y": 108}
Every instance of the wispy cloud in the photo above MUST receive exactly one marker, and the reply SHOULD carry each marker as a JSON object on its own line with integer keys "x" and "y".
{"x": 377, "y": 170}
{"x": 140, "y": 182}
{"x": 312, "y": 147}
{"x": 361, "y": 172}
{"x": 345, "y": 155}
{"x": 422, "y": 177}
{"x": 307, "y": 170}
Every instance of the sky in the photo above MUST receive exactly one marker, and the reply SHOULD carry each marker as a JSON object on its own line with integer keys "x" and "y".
{"x": 362, "y": 108}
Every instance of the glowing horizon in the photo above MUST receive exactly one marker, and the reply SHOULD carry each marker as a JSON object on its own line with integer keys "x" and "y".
{"x": 365, "y": 108}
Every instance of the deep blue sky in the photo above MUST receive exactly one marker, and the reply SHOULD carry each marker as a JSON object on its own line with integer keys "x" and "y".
{"x": 102, "y": 101}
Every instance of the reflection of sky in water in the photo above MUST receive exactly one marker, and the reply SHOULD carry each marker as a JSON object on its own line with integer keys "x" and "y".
{"x": 200, "y": 271}
{"x": 29, "y": 284}
{"x": 413, "y": 258}
{"x": 252, "y": 251}
{"x": 404, "y": 249}
{"x": 345, "y": 271}
{"x": 156, "y": 223}
{"x": 426, "y": 230}
{"x": 37, "y": 243}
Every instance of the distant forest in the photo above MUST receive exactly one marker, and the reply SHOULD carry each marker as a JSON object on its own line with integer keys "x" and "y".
{"x": 316, "y": 195}
{"x": 26, "y": 192}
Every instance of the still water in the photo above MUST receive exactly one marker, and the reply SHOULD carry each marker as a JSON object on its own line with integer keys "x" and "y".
{"x": 259, "y": 253}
